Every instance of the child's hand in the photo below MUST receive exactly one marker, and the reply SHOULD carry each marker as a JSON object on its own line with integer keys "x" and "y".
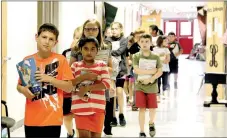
{"x": 162, "y": 54}
{"x": 40, "y": 77}
{"x": 145, "y": 81}
{"x": 90, "y": 76}
{"x": 82, "y": 91}
{"x": 27, "y": 93}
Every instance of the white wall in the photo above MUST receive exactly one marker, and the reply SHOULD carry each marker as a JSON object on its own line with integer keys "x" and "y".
{"x": 21, "y": 30}
{"x": 71, "y": 15}
{"x": 197, "y": 36}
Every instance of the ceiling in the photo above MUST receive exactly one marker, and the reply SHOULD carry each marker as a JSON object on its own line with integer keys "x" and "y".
{"x": 173, "y": 6}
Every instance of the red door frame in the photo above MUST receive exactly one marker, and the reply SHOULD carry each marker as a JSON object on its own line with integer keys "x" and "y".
{"x": 178, "y": 28}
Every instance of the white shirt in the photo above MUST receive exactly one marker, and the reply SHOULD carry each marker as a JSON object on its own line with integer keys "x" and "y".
{"x": 154, "y": 40}
{"x": 162, "y": 50}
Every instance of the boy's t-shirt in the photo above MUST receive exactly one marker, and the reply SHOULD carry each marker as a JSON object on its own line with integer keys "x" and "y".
{"x": 46, "y": 108}
{"x": 150, "y": 88}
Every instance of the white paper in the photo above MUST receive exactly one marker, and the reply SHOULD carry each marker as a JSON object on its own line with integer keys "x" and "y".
{"x": 103, "y": 55}
{"x": 146, "y": 64}
{"x": 220, "y": 30}
{"x": 115, "y": 45}
{"x": 209, "y": 30}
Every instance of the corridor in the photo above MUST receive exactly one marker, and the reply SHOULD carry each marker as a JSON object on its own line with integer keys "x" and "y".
{"x": 180, "y": 114}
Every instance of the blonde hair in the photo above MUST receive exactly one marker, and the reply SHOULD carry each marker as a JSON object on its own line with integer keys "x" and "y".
{"x": 139, "y": 31}
{"x": 120, "y": 26}
{"x": 78, "y": 30}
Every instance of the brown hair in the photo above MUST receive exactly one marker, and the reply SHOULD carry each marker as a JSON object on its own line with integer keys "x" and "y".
{"x": 139, "y": 31}
{"x": 50, "y": 28}
{"x": 99, "y": 37}
{"x": 160, "y": 40}
{"x": 146, "y": 36}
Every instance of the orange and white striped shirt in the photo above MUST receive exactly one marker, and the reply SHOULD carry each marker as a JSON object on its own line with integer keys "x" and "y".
{"x": 97, "y": 100}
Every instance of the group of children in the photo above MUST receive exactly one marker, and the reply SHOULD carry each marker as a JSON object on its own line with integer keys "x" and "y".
{"x": 85, "y": 88}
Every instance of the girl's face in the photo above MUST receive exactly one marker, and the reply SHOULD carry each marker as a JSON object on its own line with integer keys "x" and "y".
{"x": 77, "y": 36}
{"x": 153, "y": 32}
{"x": 116, "y": 30}
{"x": 91, "y": 29}
{"x": 89, "y": 51}
{"x": 165, "y": 42}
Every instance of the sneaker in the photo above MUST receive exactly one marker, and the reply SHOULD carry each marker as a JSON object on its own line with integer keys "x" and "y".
{"x": 114, "y": 122}
{"x": 134, "y": 108}
{"x": 142, "y": 134}
{"x": 122, "y": 120}
{"x": 108, "y": 136}
{"x": 71, "y": 136}
{"x": 107, "y": 131}
{"x": 152, "y": 131}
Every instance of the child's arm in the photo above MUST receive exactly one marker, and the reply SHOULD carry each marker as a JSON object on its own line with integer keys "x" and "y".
{"x": 141, "y": 71}
{"x": 60, "y": 84}
{"x": 25, "y": 91}
{"x": 105, "y": 83}
{"x": 180, "y": 52}
{"x": 110, "y": 66}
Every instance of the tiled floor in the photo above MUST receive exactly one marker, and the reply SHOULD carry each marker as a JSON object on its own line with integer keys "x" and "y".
{"x": 181, "y": 114}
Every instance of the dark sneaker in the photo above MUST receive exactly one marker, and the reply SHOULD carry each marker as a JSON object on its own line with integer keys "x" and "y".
{"x": 175, "y": 85}
{"x": 71, "y": 136}
{"x": 107, "y": 134}
{"x": 152, "y": 131}
{"x": 114, "y": 122}
{"x": 142, "y": 134}
{"x": 134, "y": 108}
{"x": 122, "y": 120}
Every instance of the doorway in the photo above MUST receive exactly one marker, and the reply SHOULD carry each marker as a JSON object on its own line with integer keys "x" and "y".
{"x": 184, "y": 32}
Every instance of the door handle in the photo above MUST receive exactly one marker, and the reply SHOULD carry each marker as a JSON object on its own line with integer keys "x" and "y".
{"x": 190, "y": 37}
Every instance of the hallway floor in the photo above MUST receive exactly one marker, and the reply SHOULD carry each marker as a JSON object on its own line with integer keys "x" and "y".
{"x": 180, "y": 114}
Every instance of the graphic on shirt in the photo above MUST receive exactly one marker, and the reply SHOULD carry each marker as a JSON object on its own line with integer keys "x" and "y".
{"x": 49, "y": 92}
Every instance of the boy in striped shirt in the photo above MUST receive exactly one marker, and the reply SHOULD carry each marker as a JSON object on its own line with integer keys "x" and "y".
{"x": 88, "y": 101}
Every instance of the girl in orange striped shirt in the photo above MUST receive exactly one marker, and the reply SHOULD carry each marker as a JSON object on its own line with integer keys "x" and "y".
{"x": 88, "y": 101}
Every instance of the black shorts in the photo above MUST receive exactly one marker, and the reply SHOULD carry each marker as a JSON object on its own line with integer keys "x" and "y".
{"x": 43, "y": 131}
{"x": 120, "y": 82}
{"x": 67, "y": 102}
{"x": 173, "y": 65}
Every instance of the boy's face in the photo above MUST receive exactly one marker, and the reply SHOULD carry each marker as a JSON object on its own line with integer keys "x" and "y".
{"x": 45, "y": 41}
{"x": 145, "y": 43}
{"x": 116, "y": 30}
{"x": 89, "y": 51}
{"x": 171, "y": 38}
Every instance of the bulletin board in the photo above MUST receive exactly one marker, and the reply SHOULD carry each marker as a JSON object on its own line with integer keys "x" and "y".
{"x": 216, "y": 20}
{"x": 148, "y": 20}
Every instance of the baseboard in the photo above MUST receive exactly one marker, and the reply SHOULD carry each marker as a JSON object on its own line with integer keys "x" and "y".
{"x": 17, "y": 125}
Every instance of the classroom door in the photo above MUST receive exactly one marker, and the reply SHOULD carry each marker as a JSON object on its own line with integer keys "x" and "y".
{"x": 183, "y": 30}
